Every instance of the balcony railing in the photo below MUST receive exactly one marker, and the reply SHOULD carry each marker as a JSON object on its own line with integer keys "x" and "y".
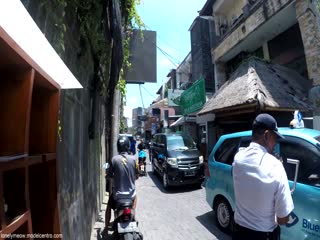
{"x": 247, "y": 11}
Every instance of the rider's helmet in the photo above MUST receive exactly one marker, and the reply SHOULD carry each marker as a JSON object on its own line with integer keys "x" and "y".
{"x": 123, "y": 144}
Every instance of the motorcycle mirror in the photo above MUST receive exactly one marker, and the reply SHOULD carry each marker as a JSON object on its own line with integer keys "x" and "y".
{"x": 106, "y": 165}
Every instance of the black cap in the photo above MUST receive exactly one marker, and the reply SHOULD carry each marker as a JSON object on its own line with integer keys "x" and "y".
{"x": 266, "y": 121}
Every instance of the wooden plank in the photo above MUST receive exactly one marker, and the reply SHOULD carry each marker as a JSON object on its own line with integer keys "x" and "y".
{"x": 2, "y": 213}
{"x": 35, "y": 159}
{"x": 15, "y": 101}
{"x": 20, "y": 163}
{"x": 26, "y": 188}
{"x": 5, "y": 159}
{"x": 49, "y": 156}
{"x": 53, "y": 116}
{"x": 16, "y": 223}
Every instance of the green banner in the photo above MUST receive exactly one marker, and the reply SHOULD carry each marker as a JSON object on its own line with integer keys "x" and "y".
{"x": 193, "y": 98}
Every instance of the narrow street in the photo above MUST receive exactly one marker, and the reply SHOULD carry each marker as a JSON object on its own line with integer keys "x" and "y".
{"x": 180, "y": 213}
{"x": 177, "y": 214}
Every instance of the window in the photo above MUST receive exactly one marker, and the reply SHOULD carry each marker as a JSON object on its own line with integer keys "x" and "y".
{"x": 180, "y": 142}
{"x": 307, "y": 154}
{"x": 227, "y": 150}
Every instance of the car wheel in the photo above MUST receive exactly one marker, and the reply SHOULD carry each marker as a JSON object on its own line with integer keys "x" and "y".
{"x": 223, "y": 215}
{"x": 165, "y": 181}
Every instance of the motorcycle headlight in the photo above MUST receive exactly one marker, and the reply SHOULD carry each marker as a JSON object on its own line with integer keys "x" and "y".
{"x": 200, "y": 159}
{"x": 172, "y": 161}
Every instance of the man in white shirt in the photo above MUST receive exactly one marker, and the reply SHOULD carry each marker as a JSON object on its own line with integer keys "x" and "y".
{"x": 263, "y": 198}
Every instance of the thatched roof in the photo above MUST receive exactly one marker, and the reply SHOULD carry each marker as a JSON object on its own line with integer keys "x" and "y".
{"x": 258, "y": 83}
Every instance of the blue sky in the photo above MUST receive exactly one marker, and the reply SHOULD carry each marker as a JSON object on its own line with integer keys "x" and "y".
{"x": 171, "y": 19}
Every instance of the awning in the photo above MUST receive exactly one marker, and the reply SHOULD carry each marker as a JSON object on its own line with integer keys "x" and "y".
{"x": 202, "y": 119}
{"x": 257, "y": 84}
{"x": 22, "y": 34}
{"x": 182, "y": 120}
{"x": 163, "y": 103}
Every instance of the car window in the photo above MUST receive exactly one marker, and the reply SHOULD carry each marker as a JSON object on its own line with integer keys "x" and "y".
{"x": 156, "y": 139}
{"x": 180, "y": 142}
{"x": 245, "y": 142}
{"x": 162, "y": 139}
{"x": 309, "y": 156}
{"x": 225, "y": 153}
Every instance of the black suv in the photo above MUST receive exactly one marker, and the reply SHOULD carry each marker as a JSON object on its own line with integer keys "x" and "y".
{"x": 176, "y": 158}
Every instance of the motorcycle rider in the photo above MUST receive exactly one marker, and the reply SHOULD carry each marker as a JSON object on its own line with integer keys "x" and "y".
{"x": 141, "y": 145}
{"x": 124, "y": 171}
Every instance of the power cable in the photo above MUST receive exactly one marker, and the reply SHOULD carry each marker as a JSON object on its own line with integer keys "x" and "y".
{"x": 141, "y": 96}
{"x": 147, "y": 91}
{"x": 147, "y": 27}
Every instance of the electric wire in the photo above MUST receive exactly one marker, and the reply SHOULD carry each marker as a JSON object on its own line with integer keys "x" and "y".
{"x": 141, "y": 95}
{"x": 148, "y": 91}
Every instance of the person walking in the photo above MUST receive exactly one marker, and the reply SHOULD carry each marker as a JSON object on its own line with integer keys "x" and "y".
{"x": 262, "y": 193}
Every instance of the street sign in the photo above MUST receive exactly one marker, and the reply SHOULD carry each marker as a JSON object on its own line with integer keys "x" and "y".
{"x": 193, "y": 98}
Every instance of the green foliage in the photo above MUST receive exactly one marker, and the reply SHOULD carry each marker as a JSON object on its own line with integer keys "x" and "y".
{"x": 132, "y": 20}
{"x": 92, "y": 20}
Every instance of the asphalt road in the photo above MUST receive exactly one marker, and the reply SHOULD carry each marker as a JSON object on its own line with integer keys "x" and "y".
{"x": 180, "y": 213}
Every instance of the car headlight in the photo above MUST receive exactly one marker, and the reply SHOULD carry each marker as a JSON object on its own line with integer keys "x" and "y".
{"x": 172, "y": 161}
{"x": 200, "y": 159}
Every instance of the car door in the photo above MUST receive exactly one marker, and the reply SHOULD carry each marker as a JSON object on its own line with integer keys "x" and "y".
{"x": 305, "y": 219}
{"x": 221, "y": 181}
{"x": 161, "y": 152}
{"x": 156, "y": 149}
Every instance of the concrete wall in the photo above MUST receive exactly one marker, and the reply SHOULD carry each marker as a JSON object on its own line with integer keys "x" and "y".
{"x": 260, "y": 16}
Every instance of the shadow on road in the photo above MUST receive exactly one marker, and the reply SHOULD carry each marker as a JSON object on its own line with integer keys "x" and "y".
{"x": 156, "y": 178}
{"x": 208, "y": 221}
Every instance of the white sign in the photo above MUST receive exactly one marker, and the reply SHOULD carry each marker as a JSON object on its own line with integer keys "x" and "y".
{"x": 174, "y": 97}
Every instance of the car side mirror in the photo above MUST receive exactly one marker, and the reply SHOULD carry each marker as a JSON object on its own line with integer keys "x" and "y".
{"x": 297, "y": 163}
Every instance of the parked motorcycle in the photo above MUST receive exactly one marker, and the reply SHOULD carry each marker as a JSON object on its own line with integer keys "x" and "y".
{"x": 142, "y": 156}
{"x": 125, "y": 227}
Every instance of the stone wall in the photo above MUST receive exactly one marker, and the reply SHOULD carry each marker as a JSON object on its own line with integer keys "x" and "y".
{"x": 309, "y": 21}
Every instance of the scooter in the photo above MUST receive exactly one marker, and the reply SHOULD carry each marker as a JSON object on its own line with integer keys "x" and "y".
{"x": 125, "y": 227}
{"x": 142, "y": 156}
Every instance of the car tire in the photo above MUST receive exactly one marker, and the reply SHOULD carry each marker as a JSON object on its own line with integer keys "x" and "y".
{"x": 165, "y": 181}
{"x": 223, "y": 215}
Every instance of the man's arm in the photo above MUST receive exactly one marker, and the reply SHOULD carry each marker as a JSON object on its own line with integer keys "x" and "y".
{"x": 283, "y": 221}
{"x": 283, "y": 199}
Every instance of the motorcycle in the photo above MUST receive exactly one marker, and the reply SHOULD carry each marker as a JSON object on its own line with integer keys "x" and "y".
{"x": 142, "y": 156}
{"x": 125, "y": 227}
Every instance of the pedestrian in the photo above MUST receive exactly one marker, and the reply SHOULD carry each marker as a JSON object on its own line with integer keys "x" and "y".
{"x": 262, "y": 193}
{"x": 124, "y": 172}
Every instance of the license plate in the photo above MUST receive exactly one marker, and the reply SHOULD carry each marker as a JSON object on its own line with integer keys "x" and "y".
{"x": 189, "y": 173}
{"x": 127, "y": 227}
